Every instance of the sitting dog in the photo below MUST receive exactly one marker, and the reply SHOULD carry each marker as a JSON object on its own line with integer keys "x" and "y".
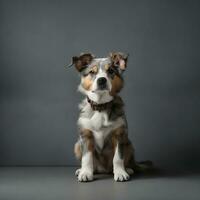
{"x": 103, "y": 145}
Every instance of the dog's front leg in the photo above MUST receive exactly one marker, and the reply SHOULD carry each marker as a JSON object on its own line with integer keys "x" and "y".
{"x": 87, "y": 146}
{"x": 119, "y": 140}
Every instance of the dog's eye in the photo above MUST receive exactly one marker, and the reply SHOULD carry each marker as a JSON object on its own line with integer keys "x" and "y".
{"x": 111, "y": 71}
{"x": 91, "y": 72}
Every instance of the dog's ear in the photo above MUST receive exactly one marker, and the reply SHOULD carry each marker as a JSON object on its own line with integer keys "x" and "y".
{"x": 119, "y": 60}
{"x": 81, "y": 62}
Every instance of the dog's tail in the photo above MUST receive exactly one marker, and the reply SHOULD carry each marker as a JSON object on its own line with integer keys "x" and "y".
{"x": 143, "y": 166}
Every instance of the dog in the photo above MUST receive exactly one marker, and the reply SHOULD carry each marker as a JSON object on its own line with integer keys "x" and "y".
{"x": 103, "y": 145}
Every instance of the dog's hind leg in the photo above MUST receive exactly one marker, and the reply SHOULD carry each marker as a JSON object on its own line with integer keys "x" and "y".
{"x": 129, "y": 160}
{"x": 130, "y": 171}
{"x": 77, "y": 150}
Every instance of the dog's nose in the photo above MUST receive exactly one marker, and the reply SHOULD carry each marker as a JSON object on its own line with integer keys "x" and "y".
{"x": 101, "y": 81}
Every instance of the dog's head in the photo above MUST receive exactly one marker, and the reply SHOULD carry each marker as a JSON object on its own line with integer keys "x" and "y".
{"x": 101, "y": 78}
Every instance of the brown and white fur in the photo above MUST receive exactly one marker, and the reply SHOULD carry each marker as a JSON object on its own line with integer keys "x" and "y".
{"x": 103, "y": 145}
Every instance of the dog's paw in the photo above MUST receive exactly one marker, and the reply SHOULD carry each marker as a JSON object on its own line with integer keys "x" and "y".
{"x": 121, "y": 175}
{"x": 129, "y": 171}
{"x": 77, "y": 171}
{"x": 84, "y": 175}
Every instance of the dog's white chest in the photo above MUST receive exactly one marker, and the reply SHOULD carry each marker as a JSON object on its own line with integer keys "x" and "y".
{"x": 99, "y": 120}
{"x": 100, "y": 125}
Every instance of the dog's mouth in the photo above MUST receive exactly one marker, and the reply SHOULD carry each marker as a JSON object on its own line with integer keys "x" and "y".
{"x": 100, "y": 90}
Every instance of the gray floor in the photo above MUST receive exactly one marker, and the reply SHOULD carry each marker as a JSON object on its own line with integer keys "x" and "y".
{"x": 60, "y": 183}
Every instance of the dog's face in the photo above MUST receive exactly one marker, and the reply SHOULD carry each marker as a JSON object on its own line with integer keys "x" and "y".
{"x": 101, "y": 78}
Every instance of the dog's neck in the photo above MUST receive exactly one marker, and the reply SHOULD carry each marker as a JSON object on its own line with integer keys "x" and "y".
{"x": 99, "y": 98}
{"x": 99, "y": 106}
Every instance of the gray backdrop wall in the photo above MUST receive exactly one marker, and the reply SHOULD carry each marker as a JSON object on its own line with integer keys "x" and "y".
{"x": 38, "y": 98}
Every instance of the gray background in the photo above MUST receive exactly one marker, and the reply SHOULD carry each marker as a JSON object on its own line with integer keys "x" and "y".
{"x": 38, "y": 98}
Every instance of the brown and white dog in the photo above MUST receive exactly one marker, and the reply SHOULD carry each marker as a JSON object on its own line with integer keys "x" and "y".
{"x": 103, "y": 145}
